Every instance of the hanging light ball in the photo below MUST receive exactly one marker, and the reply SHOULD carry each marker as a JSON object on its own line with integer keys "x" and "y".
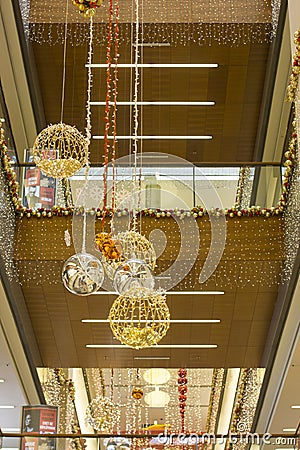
{"x": 137, "y": 393}
{"x": 140, "y": 318}
{"x": 133, "y": 273}
{"x": 102, "y": 414}
{"x": 60, "y": 150}
{"x": 82, "y": 274}
{"x": 137, "y": 246}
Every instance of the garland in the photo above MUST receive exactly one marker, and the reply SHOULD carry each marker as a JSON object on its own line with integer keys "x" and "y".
{"x": 196, "y": 212}
{"x": 294, "y": 77}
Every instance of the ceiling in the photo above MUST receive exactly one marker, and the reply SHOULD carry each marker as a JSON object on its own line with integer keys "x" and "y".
{"x": 236, "y": 86}
{"x": 254, "y": 249}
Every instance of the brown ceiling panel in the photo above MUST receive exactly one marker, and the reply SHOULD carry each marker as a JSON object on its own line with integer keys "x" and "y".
{"x": 236, "y": 86}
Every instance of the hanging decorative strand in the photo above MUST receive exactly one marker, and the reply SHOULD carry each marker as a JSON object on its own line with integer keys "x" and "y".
{"x": 114, "y": 115}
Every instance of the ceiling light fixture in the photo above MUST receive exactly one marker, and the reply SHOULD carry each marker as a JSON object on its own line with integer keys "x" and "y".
{"x": 158, "y": 321}
{"x": 2, "y": 380}
{"x": 295, "y": 406}
{"x": 7, "y": 406}
{"x": 289, "y": 430}
{"x": 161, "y": 66}
{"x": 209, "y": 103}
{"x": 157, "y": 398}
{"x": 169, "y": 293}
{"x": 120, "y": 346}
{"x": 152, "y": 44}
{"x": 177, "y": 137}
{"x": 156, "y": 376}
{"x": 151, "y": 357}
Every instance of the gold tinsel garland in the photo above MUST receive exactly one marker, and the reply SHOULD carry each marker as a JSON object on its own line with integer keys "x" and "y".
{"x": 294, "y": 77}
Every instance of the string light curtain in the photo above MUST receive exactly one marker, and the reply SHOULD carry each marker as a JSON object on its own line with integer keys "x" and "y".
{"x": 176, "y": 22}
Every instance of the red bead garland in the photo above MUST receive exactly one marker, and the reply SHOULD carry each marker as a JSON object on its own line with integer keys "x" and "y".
{"x": 182, "y": 390}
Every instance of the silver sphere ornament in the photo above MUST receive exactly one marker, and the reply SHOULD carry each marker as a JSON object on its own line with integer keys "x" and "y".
{"x": 133, "y": 273}
{"x": 82, "y": 274}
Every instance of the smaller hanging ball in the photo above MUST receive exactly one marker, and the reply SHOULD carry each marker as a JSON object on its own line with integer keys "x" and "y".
{"x": 137, "y": 393}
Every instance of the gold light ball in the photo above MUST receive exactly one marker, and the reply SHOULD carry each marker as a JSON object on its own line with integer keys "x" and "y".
{"x": 102, "y": 414}
{"x": 60, "y": 150}
{"x": 137, "y": 393}
{"x": 140, "y": 318}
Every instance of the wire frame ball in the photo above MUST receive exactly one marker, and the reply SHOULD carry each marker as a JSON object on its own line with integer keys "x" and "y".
{"x": 140, "y": 318}
{"x": 60, "y": 150}
{"x": 102, "y": 414}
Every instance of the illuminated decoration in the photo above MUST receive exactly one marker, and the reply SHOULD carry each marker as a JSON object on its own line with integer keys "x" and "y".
{"x": 294, "y": 77}
{"x": 203, "y": 23}
{"x": 140, "y": 318}
{"x": 60, "y": 150}
{"x": 182, "y": 390}
{"x": 87, "y": 7}
{"x": 82, "y": 274}
{"x": 156, "y": 376}
{"x": 137, "y": 246}
{"x": 110, "y": 248}
{"x": 137, "y": 393}
{"x": 157, "y": 398}
{"x": 102, "y": 414}
{"x": 217, "y": 385}
{"x": 117, "y": 443}
{"x": 133, "y": 273}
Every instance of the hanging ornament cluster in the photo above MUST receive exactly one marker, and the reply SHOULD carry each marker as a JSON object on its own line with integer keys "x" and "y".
{"x": 102, "y": 414}
{"x": 182, "y": 390}
{"x": 87, "y": 7}
{"x": 60, "y": 150}
{"x": 140, "y": 318}
{"x": 110, "y": 248}
{"x": 82, "y": 274}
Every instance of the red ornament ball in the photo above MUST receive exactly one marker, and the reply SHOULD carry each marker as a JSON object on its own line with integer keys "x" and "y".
{"x": 182, "y": 373}
{"x": 182, "y": 389}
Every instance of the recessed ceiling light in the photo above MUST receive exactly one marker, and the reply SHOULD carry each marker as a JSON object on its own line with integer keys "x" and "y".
{"x": 155, "y": 321}
{"x": 154, "y": 103}
{"x": 2, "y": 380}
{"x": 177, "y": 137}
{"x": 295, "y": 406}
{"x": 169, "y": 293}
{"x": 154, "y": 347}
{"x": 289, "y": 430}
{"x": 161, "y": 66}
{"x": 7, "y": 406}
{"x": 151, "y": 357}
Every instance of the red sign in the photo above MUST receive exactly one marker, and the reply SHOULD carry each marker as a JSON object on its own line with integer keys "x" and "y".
{"x": 42, "y": 420}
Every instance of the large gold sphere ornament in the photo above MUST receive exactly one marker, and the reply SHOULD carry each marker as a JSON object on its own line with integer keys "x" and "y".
{"x": 82, "y": 274}
{"x": 137, "y": 393}
{"x": 102, "y": 414}
{"x": 140, "y": 318}
{"x": 136, "y": 246}
{"x": 60, "y": 150}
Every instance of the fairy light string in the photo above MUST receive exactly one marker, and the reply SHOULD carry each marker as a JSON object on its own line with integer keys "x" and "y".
{"x": 114, "y": 114}
{"x": 107, "y": 109}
